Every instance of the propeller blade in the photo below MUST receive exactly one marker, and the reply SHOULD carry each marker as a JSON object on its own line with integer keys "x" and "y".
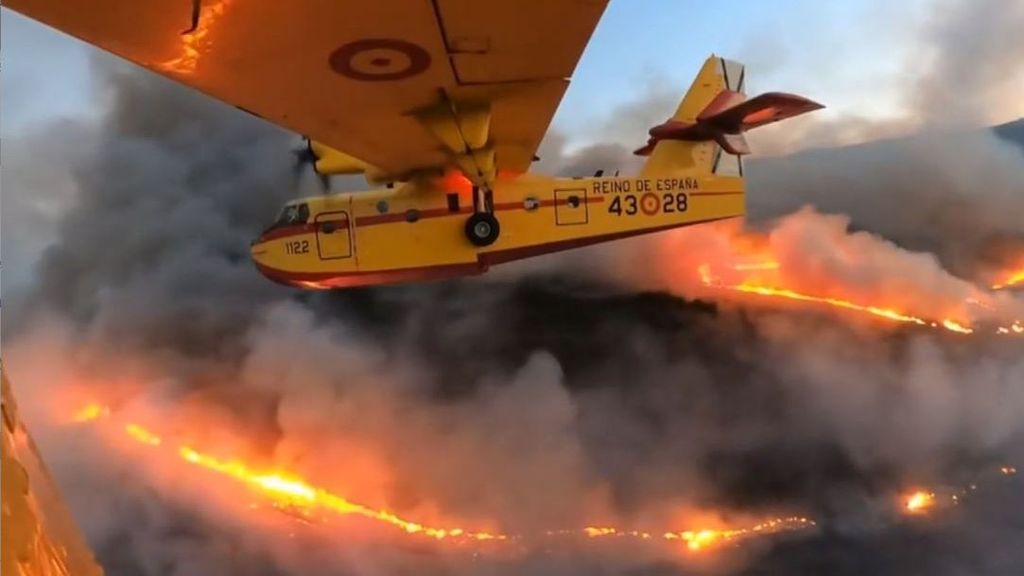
{"x": 304, "y": 156}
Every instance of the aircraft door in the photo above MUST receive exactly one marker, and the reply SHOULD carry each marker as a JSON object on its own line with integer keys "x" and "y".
{"x": 333, "y": 235}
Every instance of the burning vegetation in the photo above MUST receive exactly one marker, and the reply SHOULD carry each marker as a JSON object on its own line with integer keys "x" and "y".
{"x": 1010, "y": 279}
{"x": 288, "y": 492}
{"x": 312, "y": 508}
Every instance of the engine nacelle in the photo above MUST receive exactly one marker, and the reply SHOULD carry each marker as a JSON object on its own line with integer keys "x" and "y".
{"x": 331, "y": 161}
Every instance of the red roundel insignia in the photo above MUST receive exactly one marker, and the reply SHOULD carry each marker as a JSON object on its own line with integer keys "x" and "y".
{"x": 379, "y": 59}
{"x": 649, "y": 204}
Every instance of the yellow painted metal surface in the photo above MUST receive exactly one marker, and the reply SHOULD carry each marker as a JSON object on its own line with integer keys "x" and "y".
{"x": 414, "y": 226}
{"x": 352, "y": 73}
{"x": 39, "y": 537}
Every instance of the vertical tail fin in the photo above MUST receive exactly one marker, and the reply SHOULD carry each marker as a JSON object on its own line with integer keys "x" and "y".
{"x": 705, "y": 135}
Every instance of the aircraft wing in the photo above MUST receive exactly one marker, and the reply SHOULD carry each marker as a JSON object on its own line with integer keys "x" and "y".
{"x": 403, "y": 85}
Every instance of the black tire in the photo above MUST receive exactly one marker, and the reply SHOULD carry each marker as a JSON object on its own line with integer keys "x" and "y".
{"x": 482, "y": 229}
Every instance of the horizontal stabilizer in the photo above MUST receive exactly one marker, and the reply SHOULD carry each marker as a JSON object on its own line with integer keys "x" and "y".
{"x": 728, "y": 116}
{"x": 757, "y": 111}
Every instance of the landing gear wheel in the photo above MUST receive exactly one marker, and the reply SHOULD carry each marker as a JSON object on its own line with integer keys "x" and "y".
{"x": 482, "y": 229}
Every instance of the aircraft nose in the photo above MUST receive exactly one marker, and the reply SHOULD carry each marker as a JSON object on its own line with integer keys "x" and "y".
{"x": 258, "y": 249}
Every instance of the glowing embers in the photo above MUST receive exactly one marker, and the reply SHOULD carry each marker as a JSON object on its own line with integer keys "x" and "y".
{"x": 919, "y": 502}
{"x": 196, "y": 42}
{"x": 699, "y": 539}
{"x": 696, "y": 540}
{"x": 1015, "y": 328}
{"x": 89, "y": 412}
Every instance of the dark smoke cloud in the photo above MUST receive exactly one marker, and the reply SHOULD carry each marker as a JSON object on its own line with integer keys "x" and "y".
{"x": 169, "y": 195}
{"x": 541, "y": 396}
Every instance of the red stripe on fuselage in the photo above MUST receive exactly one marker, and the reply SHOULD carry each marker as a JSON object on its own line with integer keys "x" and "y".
{"x": 326, "y": 280}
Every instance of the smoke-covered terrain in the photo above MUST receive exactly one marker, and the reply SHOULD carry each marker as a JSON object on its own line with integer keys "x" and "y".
{"x": 601, "y": 386}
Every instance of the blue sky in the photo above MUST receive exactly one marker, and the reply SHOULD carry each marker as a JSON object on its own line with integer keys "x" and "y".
{"x": 846, "y": 54}
{"x": 785, "y": 43}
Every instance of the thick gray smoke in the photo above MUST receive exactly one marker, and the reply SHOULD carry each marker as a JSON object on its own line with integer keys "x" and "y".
{"x": 534, "y": 399}
{"x": 958, "y": 195}
{"x": 974, "y": 63}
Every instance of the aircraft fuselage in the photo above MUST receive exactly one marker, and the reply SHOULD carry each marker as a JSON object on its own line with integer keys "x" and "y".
{"x": 419, "y": 230}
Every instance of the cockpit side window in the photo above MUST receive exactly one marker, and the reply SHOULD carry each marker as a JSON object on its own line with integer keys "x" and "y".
{"x": 293, "y": 214}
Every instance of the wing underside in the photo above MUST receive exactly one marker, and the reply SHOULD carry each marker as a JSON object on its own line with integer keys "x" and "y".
{"x": 403, "y": 85}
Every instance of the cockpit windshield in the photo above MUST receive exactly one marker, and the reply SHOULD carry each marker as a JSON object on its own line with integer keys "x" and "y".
{"x": 293, "y": 214}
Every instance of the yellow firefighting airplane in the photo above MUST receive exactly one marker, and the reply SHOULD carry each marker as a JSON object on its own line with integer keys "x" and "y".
{"x": 445, "y": 102}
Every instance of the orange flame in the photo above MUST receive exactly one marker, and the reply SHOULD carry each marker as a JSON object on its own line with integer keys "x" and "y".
{"x": 793, "y": 295}
{"x": 757, "y": 286}
{"x": 1012, "y": 279}
{"x": 196, "y": 42}
{"x": 920, "y": 502}
{"x": 142, "y": 435}
{"x": 289, "y": 491}
{"x": 956, "y": 326}
{"x": 769, "y": 265}
{"x": 89, "y": 412}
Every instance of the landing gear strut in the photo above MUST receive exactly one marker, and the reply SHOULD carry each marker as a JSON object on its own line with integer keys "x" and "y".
{"x": 482, "y": 228}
